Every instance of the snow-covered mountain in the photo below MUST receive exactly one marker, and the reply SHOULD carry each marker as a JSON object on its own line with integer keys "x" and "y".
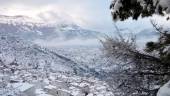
{"x": 30, "y": 29}
{"x": 15, "y": 19}
{"x": 145, "y": 36}
{"x": 18, "y": 32}
{"x": 147, "y": 33}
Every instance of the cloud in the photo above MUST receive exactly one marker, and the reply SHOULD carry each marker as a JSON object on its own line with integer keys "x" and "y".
{"x": 91, "y": 14}
{"x": 27, "y": 2}
{"x": 68, "y": 43}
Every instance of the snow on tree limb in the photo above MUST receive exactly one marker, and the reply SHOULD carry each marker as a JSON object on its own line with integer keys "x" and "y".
{"x": 123, "y": 9}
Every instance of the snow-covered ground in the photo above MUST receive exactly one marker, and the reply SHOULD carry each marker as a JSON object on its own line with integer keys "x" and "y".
{"x": 28, "y": 69}
{"x": 91, "y": 57}
{"x": 55, "y": 84}
{"x": 54, "y": 72}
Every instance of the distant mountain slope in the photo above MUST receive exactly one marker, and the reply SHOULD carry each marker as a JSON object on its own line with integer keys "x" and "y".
{"x": 31, "y": 30}
{"x": 145, "y": 36}
{"x": 27, "y": 55}
{"x": 147, "y": 33}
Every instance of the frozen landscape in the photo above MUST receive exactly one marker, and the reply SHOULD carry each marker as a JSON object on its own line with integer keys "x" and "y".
{"x": 84, "y": 48}
{"x": 32, "y": 67}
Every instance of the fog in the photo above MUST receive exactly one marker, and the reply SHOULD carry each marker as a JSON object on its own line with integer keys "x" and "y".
{"x": 68, "y": 43}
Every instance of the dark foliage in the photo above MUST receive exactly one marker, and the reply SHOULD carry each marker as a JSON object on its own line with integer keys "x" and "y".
{"x": 134, "y": 9}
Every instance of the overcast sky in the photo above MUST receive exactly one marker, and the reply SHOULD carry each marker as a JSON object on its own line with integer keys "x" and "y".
{"x": 92, "y": 14}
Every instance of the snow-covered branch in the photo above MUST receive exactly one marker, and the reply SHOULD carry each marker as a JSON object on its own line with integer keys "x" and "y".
{"x": 123, "y": 9}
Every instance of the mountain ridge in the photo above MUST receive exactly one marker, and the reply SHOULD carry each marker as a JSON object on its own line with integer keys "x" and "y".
{"x": 44, "y": 31}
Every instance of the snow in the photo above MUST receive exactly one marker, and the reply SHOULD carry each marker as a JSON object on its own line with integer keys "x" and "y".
{"x": 50, "y": 87}
{"x": 22, "y": 86}
{"x": 117, "y": 4}
{"x": 39, "y": 33}
{"x": 165, "y": 4}
{"x": 164, "y": 90}
{"x": 43, "y": 68}
{"x": 18, "y": 19}
{"x": 40, "y": 92}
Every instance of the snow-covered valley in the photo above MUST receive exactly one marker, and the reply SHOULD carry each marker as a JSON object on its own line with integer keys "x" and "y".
{"x": 29, "y": 69}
